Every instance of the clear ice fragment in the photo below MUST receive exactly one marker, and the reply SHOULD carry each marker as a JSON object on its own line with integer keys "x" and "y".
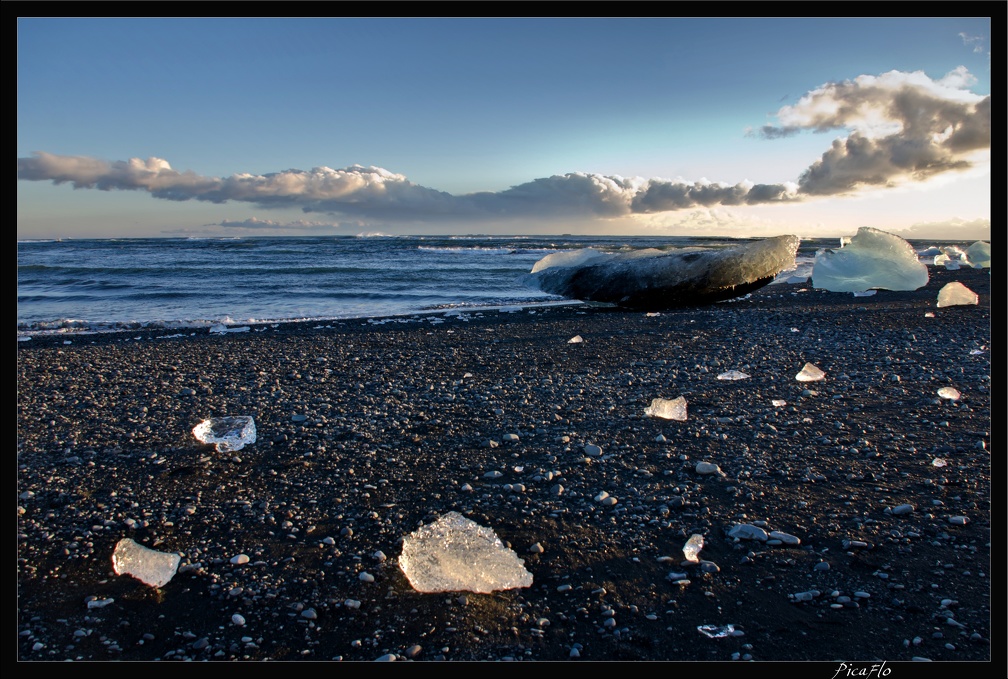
{"x": 873, "y": 259}
{"x": 949, "y": 393}
{"x": 810, "y": 373}
{"x": 956, "y": 293}
{"x": 716, "y": 631}
{"x": 149, "y": 566}
{"x": 666, "y": 409}
{"x": 733, "y": 375}
{"x": 691, "y": 550}
{"x": 228, "y": 433}
{"x": 455, "y": 554}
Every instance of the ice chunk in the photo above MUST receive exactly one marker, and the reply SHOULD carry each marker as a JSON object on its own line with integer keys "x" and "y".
{"x": 455, "y": 554}
{"x": 653, "y": 280}
{"x": 576, "y": 339}
{"x": 229, "y": 433}
{"x": 733, "y": 375}
{"x": 949, "y": 393}
{"x": 955, "y": 293}
{"x": 979, "y": 255}
{"x": 810, "y": 373}
{"x": 872, "y": 259}
{"x": 946, "y": 261}
{"x": 149, "y": 566}
{"x": 666, "y": 409}
{"x": 691, "y": 550}
{"x": 716, "y": 631}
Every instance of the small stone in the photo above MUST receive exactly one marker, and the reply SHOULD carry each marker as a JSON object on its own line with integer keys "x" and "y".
{"x": 366, "y": 577}
{"x": 707, "y": 468}
{"x": 238, "y": 619}
{"x": 240, "y": 559}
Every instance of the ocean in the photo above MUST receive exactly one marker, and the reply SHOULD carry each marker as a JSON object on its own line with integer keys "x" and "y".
{"x": 81, "y": 285}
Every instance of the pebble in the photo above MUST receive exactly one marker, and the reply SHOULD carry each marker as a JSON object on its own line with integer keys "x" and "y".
{"x": 958, "y": 520}
{"x": 366, "y": 577}
{"x": 238, "y": 619}
{"x": 785, "y": 538}
{"x": 902, "y": 509}
{"x": 706, "y": 468}
{"x": 747, "y": 531}
{"x": 592, "y": 450}
{"x": 240, "y": 559}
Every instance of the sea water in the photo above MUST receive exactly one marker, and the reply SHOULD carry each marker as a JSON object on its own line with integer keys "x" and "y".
{"x": 125, "y": 283}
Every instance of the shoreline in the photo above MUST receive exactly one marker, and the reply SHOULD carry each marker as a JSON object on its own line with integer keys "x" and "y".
{"x": 369, "y": 427}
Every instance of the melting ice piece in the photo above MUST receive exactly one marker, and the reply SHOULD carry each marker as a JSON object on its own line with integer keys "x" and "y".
{"x": 653, "y": 280}
{"x": 979, "y": 255}
{"x": 733, "y": 375}
{"x": 666, "y": 409}
{"x": 229, "y": 433}
{"x": 149, "y": 566}
{"x": 955, "y": 293}
{"x": 810, "y": 373}
{"x": 949, "y": 393}
{"x": 691, "y": 550}
{"x": 716, "y": 631}
{"x": 872, "y": 259}
{"x": 778, "y": 402}
{"x": 455, "y": 554}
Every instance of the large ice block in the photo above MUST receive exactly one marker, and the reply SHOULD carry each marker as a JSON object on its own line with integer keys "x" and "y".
{"x": 873, "y": 259}
{"x": 228, "y": 433}
{"x": 979, "y": 255}
{"x": 456, "y": 554}
{"x": 149, "y": 566}
{"x": 653, "y": 280}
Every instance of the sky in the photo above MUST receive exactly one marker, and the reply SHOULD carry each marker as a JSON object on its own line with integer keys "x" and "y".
{"x": 744, "y": 127}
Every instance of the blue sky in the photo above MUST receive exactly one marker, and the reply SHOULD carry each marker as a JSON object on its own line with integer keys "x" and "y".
{"x": 691, "y": 126}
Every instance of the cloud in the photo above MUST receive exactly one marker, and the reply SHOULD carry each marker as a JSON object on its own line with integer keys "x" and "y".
{"x": 900, "y": 127}
{"x": 905, "y": 126}
{"x": 975, "y": 40}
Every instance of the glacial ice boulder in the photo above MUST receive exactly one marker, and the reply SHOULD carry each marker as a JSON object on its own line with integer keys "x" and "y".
{"x": 653, "y": 280}
{"x": 979, "y": 254}
{"x": 873, "y": 259}
{"x": 149, "y": 566}
{"x": 228, "y": 433}
{"x": 456, "y": 554}
{"x": 955, "y": 293}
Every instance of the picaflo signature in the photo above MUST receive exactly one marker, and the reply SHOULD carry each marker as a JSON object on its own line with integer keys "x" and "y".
{"x": 862, "y": 670}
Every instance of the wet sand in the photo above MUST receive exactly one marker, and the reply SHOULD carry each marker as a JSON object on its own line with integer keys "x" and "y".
{"x": 368, "y": 429}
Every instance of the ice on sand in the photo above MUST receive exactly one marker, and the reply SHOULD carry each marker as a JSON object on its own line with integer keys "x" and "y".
{"x": 954, "y": 294}
{"x": 691, "y": 550}
{"x": 228, "y": 433}
{"x": 873, "y": 259}
{"x": 455, "y": 554}
{"x": 949, "y": 393}
{"x": 733, "y": 375}
{"x": 979, "y": 254}
{"x": 666, "y": 409}
{"x": 716, "y": 631}
{"x": 810, "y": 373}
{"x": 149, "y": 566}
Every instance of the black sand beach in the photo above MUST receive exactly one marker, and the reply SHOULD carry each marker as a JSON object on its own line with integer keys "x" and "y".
{"x": 402, "y": 420}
